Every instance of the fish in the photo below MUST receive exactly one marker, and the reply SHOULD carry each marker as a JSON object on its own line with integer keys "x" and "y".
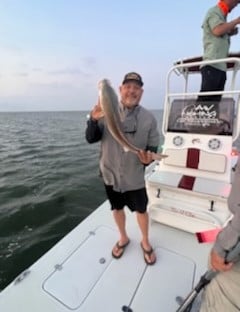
{"x": 109, "y": 103}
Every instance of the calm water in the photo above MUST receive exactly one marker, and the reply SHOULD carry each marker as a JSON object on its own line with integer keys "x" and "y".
{"x": 48, "y": 183}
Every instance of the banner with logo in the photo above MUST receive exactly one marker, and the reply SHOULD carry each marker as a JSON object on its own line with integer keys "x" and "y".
{"x": 206, "y": 117}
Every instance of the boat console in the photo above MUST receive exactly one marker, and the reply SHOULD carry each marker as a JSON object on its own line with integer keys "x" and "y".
{"x": 188, "y": 190}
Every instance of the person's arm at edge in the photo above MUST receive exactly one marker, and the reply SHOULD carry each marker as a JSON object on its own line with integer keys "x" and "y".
{"x": 230, "y": 235}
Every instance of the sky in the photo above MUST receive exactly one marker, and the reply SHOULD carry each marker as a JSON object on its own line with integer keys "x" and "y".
{"x": 54, "y": 52}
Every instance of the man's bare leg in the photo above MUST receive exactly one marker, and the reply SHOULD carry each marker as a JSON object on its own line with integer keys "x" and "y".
{"x": 120, "y": 220}
{"x": 143, "y": 222}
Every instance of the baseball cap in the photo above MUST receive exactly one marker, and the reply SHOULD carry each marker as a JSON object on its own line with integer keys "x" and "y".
{"x": 132, "y": 76}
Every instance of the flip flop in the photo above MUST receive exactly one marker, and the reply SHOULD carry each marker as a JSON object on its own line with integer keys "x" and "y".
{"x": 148, "y": 253}
{"x": 118, "y": 248}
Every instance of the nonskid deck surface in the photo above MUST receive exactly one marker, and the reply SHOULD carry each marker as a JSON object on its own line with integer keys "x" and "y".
{"x": 80, "y": 274}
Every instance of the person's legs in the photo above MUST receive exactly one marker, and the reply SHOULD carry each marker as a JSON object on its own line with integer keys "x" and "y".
{"x": 117, "y": 201}
{"x": 120, "y": 220}
{"x": 137, "y": 201}
{"x": 142, "y": 219}
{"x": 143, "y": 222}
{"x": 213, "y": 79}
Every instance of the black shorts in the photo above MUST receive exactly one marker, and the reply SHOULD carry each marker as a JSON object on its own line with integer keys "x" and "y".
{"x": 135, "y": 200}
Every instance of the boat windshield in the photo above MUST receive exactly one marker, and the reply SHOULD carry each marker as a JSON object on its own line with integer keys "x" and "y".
{"x": 206, "y": 117}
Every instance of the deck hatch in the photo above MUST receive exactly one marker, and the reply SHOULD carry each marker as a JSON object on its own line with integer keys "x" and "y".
{"x": 84, "y": 282}
{"x": 73, "y": 280}
{"x": 171, "y": 277}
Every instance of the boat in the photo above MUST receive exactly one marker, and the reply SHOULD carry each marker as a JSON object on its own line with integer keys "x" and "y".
{"x": 187, "y": 207}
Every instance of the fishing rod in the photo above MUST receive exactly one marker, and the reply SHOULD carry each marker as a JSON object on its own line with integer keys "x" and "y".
{"x": 233, "y": 256}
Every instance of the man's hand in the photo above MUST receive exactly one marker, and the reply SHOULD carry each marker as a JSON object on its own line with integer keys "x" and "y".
{"x": 145, "y": 157}
{"x": 218, "y": 263}
{"x": 97, "y": 112}
{"x": 233, "y": 32}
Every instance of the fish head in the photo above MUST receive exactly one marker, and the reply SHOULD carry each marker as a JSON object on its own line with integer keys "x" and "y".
{"x": 108, "y": 97}
{"x": 102, "y": 86}
{"x": 103, "y": 83}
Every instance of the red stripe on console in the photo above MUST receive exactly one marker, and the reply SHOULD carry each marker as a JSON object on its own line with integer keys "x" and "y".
{"x": 193, "y": 158}
{"x": 208, "y": 236}
{"x": 186, "y": 182}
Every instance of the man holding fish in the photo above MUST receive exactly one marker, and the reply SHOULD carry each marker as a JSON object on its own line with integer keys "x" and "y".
{"x": 129, "y": 141}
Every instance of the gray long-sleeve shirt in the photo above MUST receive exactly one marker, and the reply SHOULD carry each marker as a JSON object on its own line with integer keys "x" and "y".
{"x": 119, "y": 168}
{"x": 230, "y": 235}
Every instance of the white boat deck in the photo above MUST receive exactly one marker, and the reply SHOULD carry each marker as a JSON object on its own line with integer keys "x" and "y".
{"x": 79, "y": 273}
